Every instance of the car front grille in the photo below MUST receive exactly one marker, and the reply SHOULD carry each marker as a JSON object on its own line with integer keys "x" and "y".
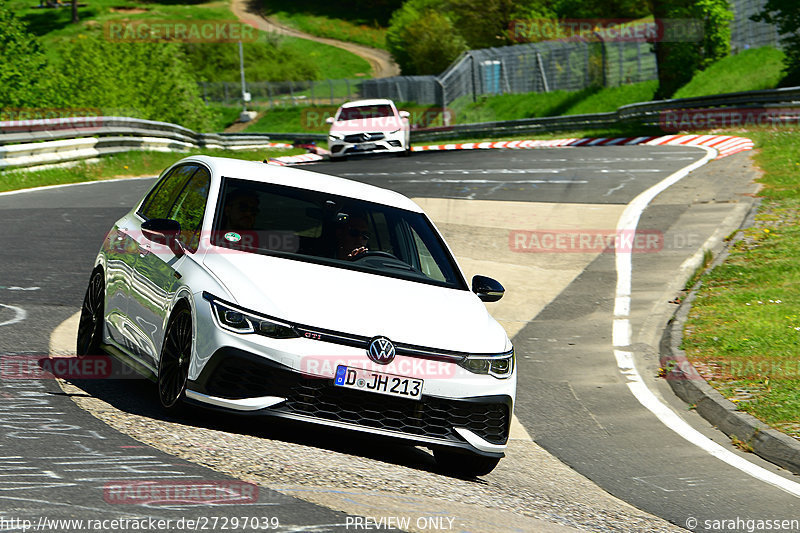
{"x": 363, "y": 137}
{"x": 319, "y": 398}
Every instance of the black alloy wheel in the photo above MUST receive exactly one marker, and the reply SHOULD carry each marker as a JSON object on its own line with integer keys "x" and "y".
{"x": 173, "y": 367}
{"x": 90, "y": 326}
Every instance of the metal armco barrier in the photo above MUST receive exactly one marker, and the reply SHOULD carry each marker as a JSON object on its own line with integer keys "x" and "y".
{"x": 641, "y": 114}
{"x": 28, "y": 143}
{"x": 39, "y": 142}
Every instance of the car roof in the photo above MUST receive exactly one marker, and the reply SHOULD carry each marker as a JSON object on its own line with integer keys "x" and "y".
{"x": 303, "y": 179}
{"x": 374, "y": 101}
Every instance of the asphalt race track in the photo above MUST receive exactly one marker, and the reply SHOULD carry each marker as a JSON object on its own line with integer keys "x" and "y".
{"x": 56, "y": 459}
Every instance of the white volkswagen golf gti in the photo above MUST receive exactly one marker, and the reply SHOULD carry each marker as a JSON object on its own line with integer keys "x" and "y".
{"x": 255, "y": 288}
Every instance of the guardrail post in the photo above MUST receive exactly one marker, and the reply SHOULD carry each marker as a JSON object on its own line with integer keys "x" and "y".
{"x": 542, "y": 73}
{"x": 472, "y": 78}
{"x": 638, "y": 61}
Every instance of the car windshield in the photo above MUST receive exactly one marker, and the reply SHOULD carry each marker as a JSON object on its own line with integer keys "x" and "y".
{"x": 367, "y": 111}
{"x": 333, "y": 230}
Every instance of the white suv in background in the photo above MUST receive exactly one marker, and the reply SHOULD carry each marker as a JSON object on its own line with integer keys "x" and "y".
{"x": 368, "y": 126}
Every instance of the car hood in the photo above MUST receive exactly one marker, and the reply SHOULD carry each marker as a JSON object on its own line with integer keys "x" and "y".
{"x": 358, "y": 303}
{"x": 384, "y": 124}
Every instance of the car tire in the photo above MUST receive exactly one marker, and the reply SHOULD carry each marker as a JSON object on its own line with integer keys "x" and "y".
{"x": 173, "y": 366}
{"x": 339, "y": 158}
{"x": 464, "y": 465}
{"x": 90, "y": 324}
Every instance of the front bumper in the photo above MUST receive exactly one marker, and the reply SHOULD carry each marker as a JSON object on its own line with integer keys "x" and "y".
{"x": 234, "y": 379}
{"x": 380, "y": 143}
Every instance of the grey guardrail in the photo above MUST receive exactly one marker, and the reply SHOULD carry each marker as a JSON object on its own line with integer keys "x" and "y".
{"x": 641, "y": 114}
{"x": 29, "y": 143}
{"x": 37, "y": 142}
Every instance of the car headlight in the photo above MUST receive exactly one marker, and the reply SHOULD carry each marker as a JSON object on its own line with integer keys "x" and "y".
{"x": 335, "y": 137}
{"x": 500, "y": 366}
{"x": 239, "y": 320}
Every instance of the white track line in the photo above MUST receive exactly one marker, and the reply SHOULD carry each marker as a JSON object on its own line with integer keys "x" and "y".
{"x": 621, "y": 335}
{"x": 19, "y": 315}
{"x": 64, "y": 185}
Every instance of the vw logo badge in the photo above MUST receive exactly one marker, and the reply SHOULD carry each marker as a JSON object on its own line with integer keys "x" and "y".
{"x": 381, "y": 350}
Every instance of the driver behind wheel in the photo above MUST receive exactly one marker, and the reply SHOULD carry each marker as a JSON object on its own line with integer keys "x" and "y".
{"x": 352, "y": 235}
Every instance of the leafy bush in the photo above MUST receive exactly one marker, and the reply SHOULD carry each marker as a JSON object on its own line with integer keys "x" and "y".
{"x": 138, "y": 79}
{"x": 23, "y": 62}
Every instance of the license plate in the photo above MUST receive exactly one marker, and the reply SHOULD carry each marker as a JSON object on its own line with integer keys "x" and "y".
{"x": 367, "y": 380}
{"x": 365, "y": 147}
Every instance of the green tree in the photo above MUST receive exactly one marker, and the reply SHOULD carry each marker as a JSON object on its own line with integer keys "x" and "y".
{"x": 679, "y": 58}
{"x": 23, "y": 62}
{"x": 785, "y": 14}
{"x": 422, "y": 38}
{"x": 483, "y": 24}
{"x": 609, "y": 9}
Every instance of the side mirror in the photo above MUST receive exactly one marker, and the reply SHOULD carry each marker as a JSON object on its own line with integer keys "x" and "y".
{"x": 487, "y": 289}
{"x": 404, "y": 114}
{"x": 164, "y": 231}
{"x": 329, "y": 120}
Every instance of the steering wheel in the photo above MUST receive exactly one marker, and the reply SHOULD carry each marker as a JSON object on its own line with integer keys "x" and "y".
{"x": 373, "y": 253}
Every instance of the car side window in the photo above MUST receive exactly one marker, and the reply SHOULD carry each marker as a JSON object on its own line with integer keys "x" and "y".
{"x": 158, "y": 202}
{"x": 189, "y": 207}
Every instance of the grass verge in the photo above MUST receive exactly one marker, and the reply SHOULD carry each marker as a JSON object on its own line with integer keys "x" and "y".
{"x": 533, "y": 105}
{"x": 751, "y": 70}
{"x": 333, "y": 28}
{"x": 743, "y": 332}
{"x": 120, "y": 165}
{"x": 365, "y": 25}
